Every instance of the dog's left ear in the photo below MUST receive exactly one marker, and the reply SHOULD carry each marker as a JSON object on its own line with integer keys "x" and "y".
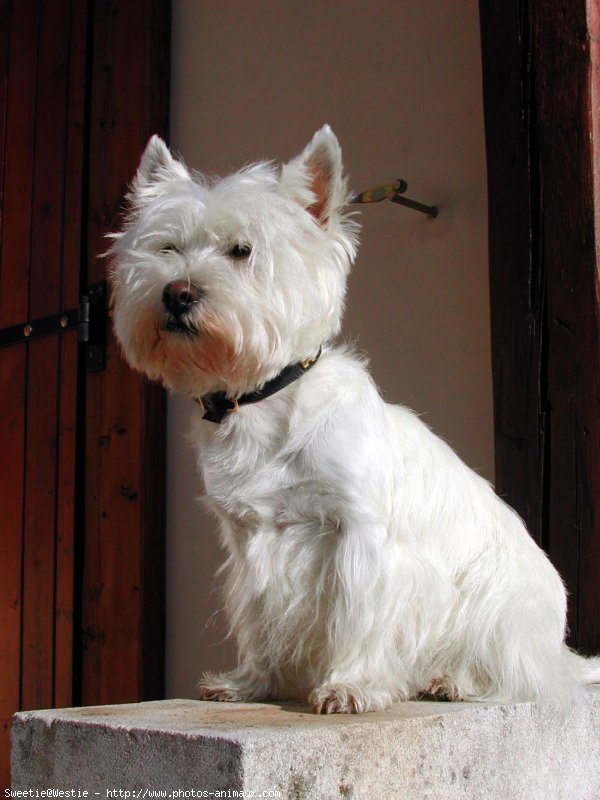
{"x": 315, "y": 177}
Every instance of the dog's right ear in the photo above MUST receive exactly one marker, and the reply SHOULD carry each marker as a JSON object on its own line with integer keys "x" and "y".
{"x": 157, "y": 167}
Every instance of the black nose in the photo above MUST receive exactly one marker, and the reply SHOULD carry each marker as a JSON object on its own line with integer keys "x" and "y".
{"x": 179, "y": 296}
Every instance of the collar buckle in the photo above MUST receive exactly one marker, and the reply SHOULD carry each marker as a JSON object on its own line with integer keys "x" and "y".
{"x": 235, "y": 407}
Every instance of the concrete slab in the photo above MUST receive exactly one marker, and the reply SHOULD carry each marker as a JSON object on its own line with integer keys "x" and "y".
{"x": 433, "y": 750}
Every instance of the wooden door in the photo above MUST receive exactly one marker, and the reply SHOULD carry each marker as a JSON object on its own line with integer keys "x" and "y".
{"x": 43, "y": 70}
{"x": 541, "y": 78}
{"x": 83, "y": 84}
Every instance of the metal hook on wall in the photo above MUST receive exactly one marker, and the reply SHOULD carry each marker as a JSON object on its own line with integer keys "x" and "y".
{"x": 394, "y": 192}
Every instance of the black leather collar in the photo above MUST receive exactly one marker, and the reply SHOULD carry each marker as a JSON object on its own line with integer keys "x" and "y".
{"x": 216, "y": 404}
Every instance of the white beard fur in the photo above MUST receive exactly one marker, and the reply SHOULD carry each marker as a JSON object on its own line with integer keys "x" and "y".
{"x": 366, "y": 563}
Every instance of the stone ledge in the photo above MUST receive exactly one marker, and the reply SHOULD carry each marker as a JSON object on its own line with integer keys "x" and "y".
{"x": 434, "y": 750}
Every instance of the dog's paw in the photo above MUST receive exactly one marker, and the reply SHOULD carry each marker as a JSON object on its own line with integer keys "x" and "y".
{"x": 441, "y": 689}
{"x": 244, "y": 684}
{"x": 219, "y": 688}
{"x": 220, "y": 693}
{"x": 339, "y": 698}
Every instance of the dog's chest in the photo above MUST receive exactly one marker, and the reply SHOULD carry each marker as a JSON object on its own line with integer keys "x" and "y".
{"x": 261, "y": 483}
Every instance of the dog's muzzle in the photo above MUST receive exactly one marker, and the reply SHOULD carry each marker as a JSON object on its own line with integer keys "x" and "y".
{"x": 179, "y": 298}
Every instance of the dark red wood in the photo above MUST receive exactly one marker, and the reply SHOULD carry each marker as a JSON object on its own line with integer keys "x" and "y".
{"x": 68, "y": 483}
{"x": 41, "y": 505}
{"x": 46, "y": 267}
{"x": 589, "y": 595}
{"x": 64, "y": 599}
{"x": 18, "y": 163}
{"x": 516, "y": 283}
{"x": 18, "y": 33}
{"x": 12, "y": 436}
{"x": 539, "y": 81}
{"x": 123, "y": 600}
{"x": 50, "y": 159}
{"x": 55, "y": 164}
{"x": 42, "y": 136}
{"x": 37, "y": 668}
{"x": 571, "y": 243}
{"x": 5, "y": 19}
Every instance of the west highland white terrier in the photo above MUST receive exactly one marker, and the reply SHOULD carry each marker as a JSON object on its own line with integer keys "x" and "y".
{"x": 365, "y": 562}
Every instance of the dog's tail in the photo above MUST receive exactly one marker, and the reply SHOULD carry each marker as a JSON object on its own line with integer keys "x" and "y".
{"x": 586, "y": 668}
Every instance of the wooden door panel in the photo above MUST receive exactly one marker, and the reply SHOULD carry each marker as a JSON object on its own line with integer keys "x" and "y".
{"x": 12, "y": 436}
{"x": 19, "y": 33}
{"x": 70, "y": 420}
{"x": 20, "y": 80}
{"x": 67, "y": 483}
{"x": 43, "y": 135}
{"x": 39, "y": 525}
{"x": 45, "y": 296}
{"x": 49, "y": 173}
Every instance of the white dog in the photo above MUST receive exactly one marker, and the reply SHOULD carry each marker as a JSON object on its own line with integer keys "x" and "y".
{"x": 365, "y": 562}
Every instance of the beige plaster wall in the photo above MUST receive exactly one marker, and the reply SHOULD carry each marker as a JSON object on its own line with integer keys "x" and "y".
{"x": 400, "y": 83}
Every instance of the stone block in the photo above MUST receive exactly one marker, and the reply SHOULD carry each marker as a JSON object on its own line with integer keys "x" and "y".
{"x": 414, "y": 751}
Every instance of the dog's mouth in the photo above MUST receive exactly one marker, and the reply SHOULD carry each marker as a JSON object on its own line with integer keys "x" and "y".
{"x": 179, "y": 326}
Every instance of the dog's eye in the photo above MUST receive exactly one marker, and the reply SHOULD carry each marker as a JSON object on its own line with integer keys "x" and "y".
{"x": 239, "y": 251}
{"x": 169, "y": 247}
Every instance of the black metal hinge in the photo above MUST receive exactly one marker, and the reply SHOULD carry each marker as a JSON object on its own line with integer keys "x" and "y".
{"x": 89, "y": 319}
{"x": 92, "y": 326}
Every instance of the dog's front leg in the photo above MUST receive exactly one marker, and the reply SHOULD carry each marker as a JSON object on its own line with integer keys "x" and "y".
{"x": 363, "y": 669}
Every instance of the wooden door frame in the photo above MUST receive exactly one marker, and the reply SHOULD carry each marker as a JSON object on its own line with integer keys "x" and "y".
{"x": 541, "y": 88}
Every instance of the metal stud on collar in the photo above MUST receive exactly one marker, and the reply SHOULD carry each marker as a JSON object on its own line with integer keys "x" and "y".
{"x": 308, "y": 362}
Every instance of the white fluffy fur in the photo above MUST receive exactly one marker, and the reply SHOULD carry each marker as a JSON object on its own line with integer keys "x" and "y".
{"x": 365, "y": 562}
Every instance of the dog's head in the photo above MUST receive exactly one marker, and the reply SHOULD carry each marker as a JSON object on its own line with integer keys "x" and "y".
{"x": 221, "y": 284}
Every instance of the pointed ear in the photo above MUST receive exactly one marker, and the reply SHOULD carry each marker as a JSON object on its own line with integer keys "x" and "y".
{"x": 157, "y": 167}
{"x": 315, "y": 177}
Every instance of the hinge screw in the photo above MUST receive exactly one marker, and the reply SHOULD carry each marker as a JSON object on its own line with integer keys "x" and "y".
{"x": 64, "y": 321}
